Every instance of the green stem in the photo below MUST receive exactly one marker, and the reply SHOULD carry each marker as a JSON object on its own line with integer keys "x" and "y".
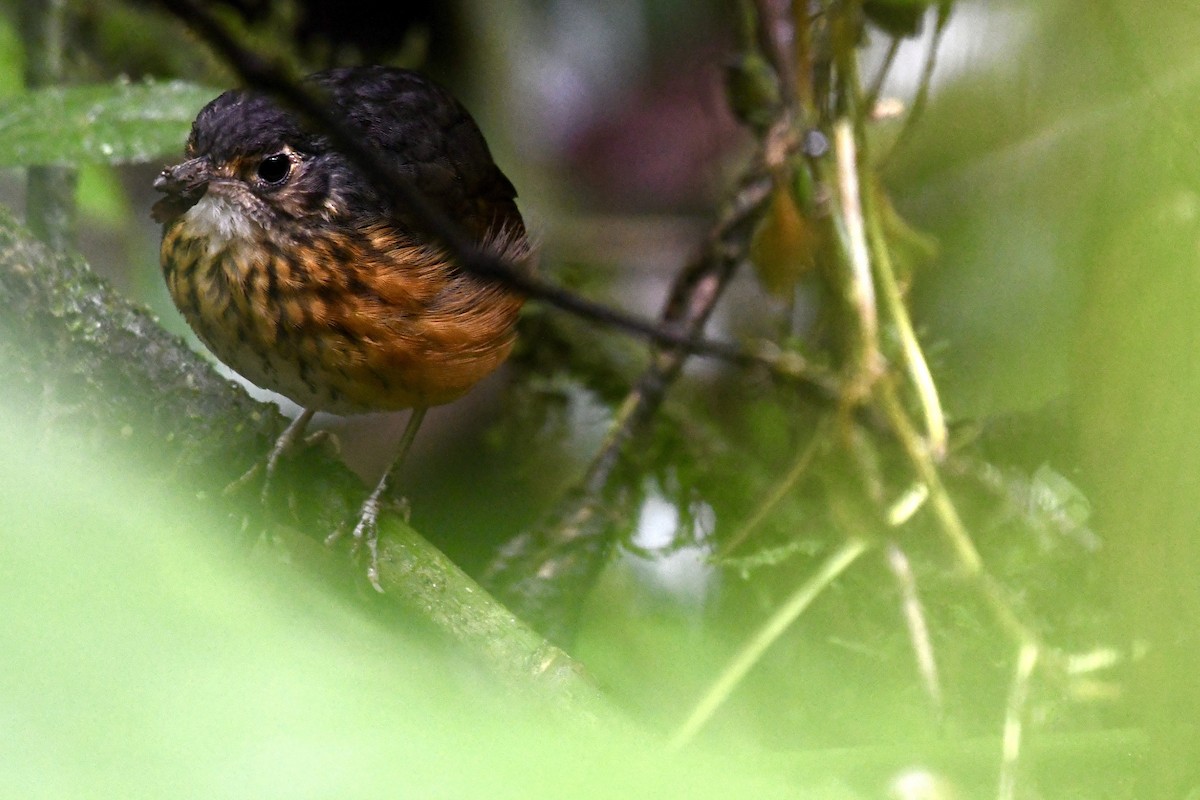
{"x": 910, "y": 348}
{"x": 50, "y": 191}
{"x": 1018, "y": 701}
{"x": 868, "y": 363}
{"x": 949, "y": 521}
{"x": 753, "y": 650}
{"x": 804, "y": 459}
{"x": 852, "y": 130}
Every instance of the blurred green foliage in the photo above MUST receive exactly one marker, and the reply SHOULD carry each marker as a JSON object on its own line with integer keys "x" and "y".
{"x": 143, "y": 654}
{"x": 114, "y": 124}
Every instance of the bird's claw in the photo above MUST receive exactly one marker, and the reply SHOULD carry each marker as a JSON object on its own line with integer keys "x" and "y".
{"x": 366, "y": 531}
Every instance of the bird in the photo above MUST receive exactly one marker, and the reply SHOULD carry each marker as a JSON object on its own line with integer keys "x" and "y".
{"x": 296, "y": 271}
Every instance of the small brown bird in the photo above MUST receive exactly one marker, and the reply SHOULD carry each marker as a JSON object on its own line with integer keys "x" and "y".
{"x": 300, "y": 275}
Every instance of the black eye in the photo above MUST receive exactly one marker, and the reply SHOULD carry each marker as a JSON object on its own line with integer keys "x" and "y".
{"x": 275, "y": 168}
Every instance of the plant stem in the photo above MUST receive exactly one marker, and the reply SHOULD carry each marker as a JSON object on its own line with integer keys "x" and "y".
{"x": 868, "y": 363}
{"x": 50, "y": 191}
{"x": 837, "y": 563}
{"x": 949, "y": 521}
{"x": 1018, "y": 700}
{"x": 910, "y": 348}
{"x": 800, "y": 465}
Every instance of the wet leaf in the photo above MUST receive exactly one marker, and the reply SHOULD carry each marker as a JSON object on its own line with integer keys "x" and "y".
{"x": 119, "y": 123}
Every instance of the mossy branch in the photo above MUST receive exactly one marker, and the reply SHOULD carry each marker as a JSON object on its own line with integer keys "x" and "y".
{"x": 100, "y": 372}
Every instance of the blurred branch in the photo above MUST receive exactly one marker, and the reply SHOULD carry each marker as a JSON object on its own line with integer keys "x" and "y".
{"x": 1015, "y": 714}
{"x": 101, "y": 371}
{"x": 918, "y": 626}
{"x": 545, "y": 573}
{"x": 788, "y": 612}
{"x": 926, "y": 80}
{"x": 50, "y": 191}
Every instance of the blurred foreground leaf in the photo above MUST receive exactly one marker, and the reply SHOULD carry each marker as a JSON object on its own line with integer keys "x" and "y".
{"x": 116, "y": 123}
{"x": 142, "y": 656}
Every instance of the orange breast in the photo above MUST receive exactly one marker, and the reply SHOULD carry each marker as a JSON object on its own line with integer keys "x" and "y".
{"x": 343, "y": 323}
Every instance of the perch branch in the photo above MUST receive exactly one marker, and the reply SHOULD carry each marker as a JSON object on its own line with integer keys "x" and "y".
{"x": 102, "y": 372}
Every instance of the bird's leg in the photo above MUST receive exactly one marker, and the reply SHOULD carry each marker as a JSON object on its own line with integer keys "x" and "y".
{"x": 367, "y": 528}
{"x": 282, "y": 445}
{"x": 291, "y": 433}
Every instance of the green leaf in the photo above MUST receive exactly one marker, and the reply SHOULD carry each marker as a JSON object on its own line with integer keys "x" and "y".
{"x": 117, "y": 123}
{"x": 100, "y": 195}
{"x": 12, "y": 59}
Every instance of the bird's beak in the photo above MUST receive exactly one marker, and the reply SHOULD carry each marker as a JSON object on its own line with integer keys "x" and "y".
{"x": 184, "y": 185}
{"x": 184, "y": 178}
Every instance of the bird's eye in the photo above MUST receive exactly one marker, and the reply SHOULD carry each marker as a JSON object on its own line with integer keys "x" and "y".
{"x": 274, "y": 169}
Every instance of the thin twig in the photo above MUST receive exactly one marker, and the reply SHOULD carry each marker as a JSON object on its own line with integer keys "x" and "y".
{"x": 918, "y": 627}
{"x": 390, "y": 181}
{"x": 922, "y": 96}
{"x": 800, "y": 465}
{"x": 875, "y": 89}
{"x": 752, "y": 651}
{"x": 1014, "y": 715}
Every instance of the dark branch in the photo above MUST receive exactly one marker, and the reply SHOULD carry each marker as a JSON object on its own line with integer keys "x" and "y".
{"x": 546, "y": 573}
{"x": 264, "y": 76}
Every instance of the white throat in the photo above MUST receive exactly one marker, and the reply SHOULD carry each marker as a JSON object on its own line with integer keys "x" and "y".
{"x": 218, "y": 221}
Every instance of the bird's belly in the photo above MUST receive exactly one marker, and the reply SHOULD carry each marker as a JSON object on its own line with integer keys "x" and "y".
{"x": 330, "y": 339}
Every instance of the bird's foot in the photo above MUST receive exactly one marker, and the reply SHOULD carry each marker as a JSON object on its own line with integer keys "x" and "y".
{"x": 366, "y": 529}
{"x": 366, "y": 532}
{"x": 268, "y": 466}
